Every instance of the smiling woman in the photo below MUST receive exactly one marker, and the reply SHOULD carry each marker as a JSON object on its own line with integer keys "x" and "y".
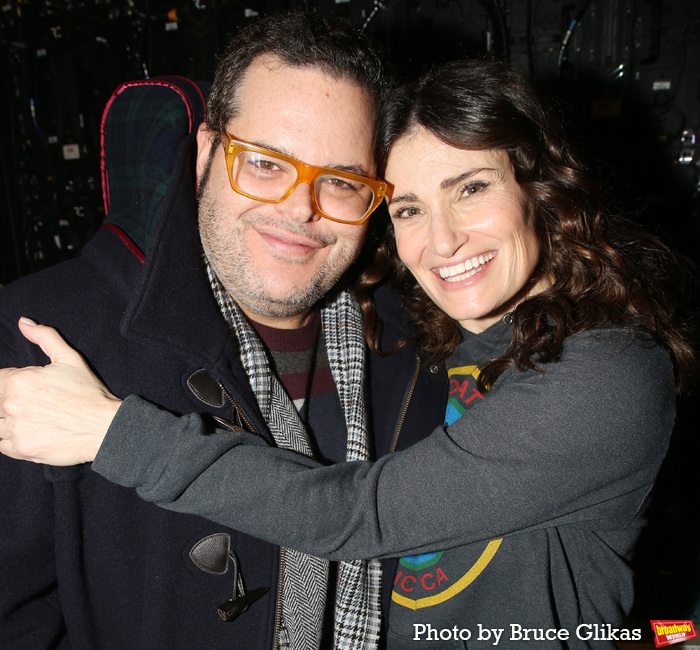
{"x": 461, "y": 228}
{"x": 506, "y": 183}
{"x": 557, "y": 331}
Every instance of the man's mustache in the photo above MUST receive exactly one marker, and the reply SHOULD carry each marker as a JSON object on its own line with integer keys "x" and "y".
{"x": 322, "y": 239}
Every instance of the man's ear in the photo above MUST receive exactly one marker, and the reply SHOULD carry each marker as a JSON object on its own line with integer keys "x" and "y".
{"x": 205, "y": 139}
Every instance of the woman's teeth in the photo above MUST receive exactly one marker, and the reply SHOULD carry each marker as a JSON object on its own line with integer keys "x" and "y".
{"x": 466, "y": 269}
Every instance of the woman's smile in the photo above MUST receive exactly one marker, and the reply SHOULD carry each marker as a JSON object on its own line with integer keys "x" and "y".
{"x": 465, "y": 270}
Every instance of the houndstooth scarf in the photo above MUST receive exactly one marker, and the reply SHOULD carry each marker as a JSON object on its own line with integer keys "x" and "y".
{"x": 305, "y": 578}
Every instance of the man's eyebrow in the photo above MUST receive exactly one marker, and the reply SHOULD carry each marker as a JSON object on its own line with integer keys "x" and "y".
{"x": 353, "y": 169}
{"x": 449, "y": 183}
{"x": 265, "y": 145}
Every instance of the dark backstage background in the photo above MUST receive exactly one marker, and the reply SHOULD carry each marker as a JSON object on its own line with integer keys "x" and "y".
{"x": 626, "y": 73}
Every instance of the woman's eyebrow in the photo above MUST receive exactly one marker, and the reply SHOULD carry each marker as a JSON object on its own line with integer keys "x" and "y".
{"x": 404, "y": 198}
{"x": 446, "y": 184}
{"x": 449, "y": 183}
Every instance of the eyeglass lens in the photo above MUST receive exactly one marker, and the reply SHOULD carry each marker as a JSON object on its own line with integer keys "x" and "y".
{"x": 268, "y": 178}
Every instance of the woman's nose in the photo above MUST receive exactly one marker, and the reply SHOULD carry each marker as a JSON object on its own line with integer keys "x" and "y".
{"x": 446, "y": 237}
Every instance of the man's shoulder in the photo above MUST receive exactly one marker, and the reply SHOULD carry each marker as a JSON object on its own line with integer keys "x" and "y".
{"x": 390, "y": 309}
{"x": 388, "y": 302}
{"x": 106, "y": 257}
{"x": 70, "y": 295}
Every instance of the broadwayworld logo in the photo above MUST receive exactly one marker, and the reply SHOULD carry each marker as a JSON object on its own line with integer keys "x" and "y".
{"x": 670, "y": 632}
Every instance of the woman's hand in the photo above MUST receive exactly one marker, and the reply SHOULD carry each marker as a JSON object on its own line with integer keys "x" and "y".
{"x": 56, "y": 414}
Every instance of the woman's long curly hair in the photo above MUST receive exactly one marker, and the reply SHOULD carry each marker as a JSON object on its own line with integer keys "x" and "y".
{"x": 604, "y": 270}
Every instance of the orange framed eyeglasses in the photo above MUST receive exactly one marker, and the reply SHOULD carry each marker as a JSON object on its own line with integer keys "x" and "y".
{"x": 266, "y": 175}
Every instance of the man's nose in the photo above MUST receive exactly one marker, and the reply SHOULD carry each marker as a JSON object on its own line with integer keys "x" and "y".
{"x": 299, "y": 204}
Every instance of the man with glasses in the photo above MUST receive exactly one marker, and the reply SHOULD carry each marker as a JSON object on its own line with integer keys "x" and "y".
{"x": 239, "y": 312}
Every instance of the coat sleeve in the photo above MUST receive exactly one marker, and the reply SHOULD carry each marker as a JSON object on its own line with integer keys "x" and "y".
{"x": 579, "y": 443}
{"x": 30, "y": 610}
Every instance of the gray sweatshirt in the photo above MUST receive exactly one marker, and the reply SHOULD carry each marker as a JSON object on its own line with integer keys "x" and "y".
{"x": 542, "y": 485}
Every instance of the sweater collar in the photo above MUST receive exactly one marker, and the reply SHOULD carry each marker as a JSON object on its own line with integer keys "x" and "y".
{"x": 491, "y": 342}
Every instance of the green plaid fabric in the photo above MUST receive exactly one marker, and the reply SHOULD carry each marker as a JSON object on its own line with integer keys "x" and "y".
{"x": 142, "y": 127}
